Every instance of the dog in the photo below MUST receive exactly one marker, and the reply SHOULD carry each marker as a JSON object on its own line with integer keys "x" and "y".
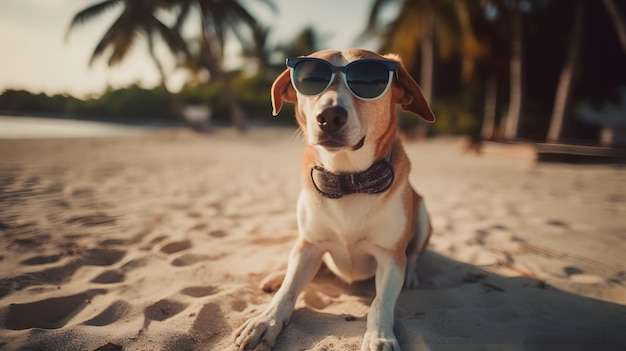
{"x": 356, "y": 212}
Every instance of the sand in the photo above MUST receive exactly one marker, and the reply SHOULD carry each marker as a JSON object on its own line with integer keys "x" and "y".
{"x": 158, "y": 241}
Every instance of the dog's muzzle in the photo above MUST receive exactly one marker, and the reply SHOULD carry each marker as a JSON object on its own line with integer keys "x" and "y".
{"x": 331, "y": 122}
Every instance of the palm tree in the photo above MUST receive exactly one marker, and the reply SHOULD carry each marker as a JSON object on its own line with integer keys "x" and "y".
{"x": 305, "y": 42}
{"x": 217, "y": 18}
{"x": 137, "y": 17}
{"x": 561, "y": 101}
{"x": 258, "y": 49}
{"x": 493, "y": 27}
{"x": 423, "y": 25}
{"x": 516, "y": 70}
{"x": 618, "y": 21}
{"x": 490, "y": 108}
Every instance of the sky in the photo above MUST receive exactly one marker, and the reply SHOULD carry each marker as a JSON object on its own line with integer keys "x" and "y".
{"x": 39, "y": 57}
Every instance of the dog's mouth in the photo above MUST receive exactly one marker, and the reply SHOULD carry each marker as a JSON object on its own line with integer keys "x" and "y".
{"x": 359, "y": 144}
{"x": 333, "y": 144}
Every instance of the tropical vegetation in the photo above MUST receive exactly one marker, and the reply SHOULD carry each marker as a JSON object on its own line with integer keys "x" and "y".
{"x": 501, "y": 69}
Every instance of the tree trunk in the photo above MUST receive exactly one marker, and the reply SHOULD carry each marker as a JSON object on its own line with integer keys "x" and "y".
{"x": 428, "y": 54}
{"x": 515, "y": 100}
{"x": 563, "y": 91}
{"x": 618, "y": 21}
{"x": 175, "y": 103}
{"x": 237, "y": 114}
{"x": 491, "y": 98}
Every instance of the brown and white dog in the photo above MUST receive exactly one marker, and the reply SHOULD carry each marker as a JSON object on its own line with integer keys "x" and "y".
{"x": 378, "y": 231}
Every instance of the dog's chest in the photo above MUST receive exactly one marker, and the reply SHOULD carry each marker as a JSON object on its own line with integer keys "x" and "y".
{"x": 352, "y": 230}
{"x": 353, "y": 221}
{"x": 350, "y": 217}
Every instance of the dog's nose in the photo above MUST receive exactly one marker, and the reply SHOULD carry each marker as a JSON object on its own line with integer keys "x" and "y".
{"x": 332, "y": 119}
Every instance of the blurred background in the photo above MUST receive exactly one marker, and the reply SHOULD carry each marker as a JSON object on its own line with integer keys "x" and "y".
{"x": 539, "y": 70}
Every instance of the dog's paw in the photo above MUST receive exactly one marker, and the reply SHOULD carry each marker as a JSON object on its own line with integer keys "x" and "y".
{"x": 272, "y": 282}
{"x": 376, "y": 342}
{"x": 263, "y": 328}
{"x": 411, "y": 281}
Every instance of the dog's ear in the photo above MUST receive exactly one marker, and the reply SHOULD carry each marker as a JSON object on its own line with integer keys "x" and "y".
{"x": 282, "y": 91}
{"x": 411, "y": 97}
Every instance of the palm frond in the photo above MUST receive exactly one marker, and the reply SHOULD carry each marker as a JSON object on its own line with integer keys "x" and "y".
{"x": 237, "y": 30}
{"x": 171, "y": 37}
{"x": 375, "y": 12}
{"x": 215, "y": 23}
{"x": 120, "y": 36}
{"x": 238, "y": 13}
{"x": 91, "y": 12}
{"x": 220, "y": 36}
{"x": 183, "y": 14}
{"x": 106, "y": 41}
{"x": 125, "y": 40}
{"x": 120, "y": 51}
{"x": 257, "y": 48}
{"x": 271, "y": 5}
{"x": 374, "y": 28}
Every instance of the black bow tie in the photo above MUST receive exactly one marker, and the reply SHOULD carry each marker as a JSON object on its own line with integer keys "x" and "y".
{"x": 373, "y": 180}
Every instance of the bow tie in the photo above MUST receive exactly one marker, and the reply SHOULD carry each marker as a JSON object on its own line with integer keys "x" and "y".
{"x": 373, "y": 180}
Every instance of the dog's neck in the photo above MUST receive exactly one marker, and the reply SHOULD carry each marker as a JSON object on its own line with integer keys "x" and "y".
{"x": 349, "y": 161}
{"x": 352, "y": 172}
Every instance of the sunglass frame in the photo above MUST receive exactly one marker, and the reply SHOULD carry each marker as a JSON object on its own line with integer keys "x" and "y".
{"x": 392, "y": 66}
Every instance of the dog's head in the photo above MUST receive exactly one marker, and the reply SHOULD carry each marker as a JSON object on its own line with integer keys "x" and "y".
{"x": 336, "y": 120}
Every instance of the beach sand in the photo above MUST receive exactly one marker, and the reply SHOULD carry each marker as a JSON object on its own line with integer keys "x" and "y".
{"x": 158, "y": 241}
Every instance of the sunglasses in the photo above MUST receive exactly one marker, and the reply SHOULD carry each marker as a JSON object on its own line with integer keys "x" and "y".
{"x": 367, "y": 79}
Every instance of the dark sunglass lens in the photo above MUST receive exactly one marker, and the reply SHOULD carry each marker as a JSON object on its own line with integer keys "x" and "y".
{"x": 368, "y": 80}
{"x": 311, "y": 77}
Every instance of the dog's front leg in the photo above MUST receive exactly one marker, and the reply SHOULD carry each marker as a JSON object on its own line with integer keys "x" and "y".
{"x": 389, "y": 276}
{"x": 304, "y": 261}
